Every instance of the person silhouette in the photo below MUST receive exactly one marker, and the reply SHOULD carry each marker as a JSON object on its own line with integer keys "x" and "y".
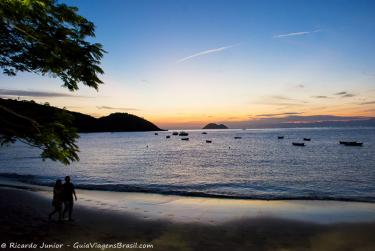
{"x": 68, "y": 192}
{"x": 57, "y": 199}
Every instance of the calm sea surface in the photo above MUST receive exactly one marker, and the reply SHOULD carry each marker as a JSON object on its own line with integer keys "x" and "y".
{"x": 256, "y": 166}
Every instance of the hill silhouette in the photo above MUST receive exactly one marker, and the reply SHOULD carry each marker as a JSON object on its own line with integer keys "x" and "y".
{"x": 115, "y": 122}
{"x": 215, "y": 126}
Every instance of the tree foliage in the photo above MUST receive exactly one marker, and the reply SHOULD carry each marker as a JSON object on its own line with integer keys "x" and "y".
{"x": 55, "y": 137}
{"x": 44, "y": 37}
{"x": 47, "y": 38}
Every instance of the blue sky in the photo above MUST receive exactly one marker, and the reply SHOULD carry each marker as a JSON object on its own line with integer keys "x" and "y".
{"x": 178, "y": 62}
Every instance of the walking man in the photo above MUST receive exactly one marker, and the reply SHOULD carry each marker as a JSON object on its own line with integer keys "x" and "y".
{"x": 68, "y": 192}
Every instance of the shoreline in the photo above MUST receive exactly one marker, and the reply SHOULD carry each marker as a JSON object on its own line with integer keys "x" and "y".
{"x": 182, "y": 223}
{"x": 179, "y": 208}
{"x": 12, "y": 180}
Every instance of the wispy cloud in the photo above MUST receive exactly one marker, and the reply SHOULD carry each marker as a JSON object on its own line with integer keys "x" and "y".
{"x": 281, "y": 97}
{"x": 293, "y": 34}
{"x": 340, "y": 93}
{"x": 345, "y": 94}
{"x": 117, "y": 108}
{"x": 349, "y": 95}
{"x": 320, "y": 97}
{"x": 284, "y": 98}
{"x": 278, "y": 114}
{"x": 41, "y": 94}
{"x": 206, "y": 52}
{"x": 368, "y": 103}
{"x": 283, "y": 102}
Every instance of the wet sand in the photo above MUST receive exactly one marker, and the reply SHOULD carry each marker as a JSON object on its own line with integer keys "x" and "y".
{"x": 185, "y": 223}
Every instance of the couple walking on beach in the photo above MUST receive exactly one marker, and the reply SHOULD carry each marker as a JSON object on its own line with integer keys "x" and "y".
{"x": 63, "y": 194}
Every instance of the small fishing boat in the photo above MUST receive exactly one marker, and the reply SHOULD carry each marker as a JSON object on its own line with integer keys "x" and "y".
{"x": 184, "y": 138}
{"x": 156, "y": 133}
{"x": 280, "y": 137}
{"x": 168, "y": 136}
{"x": 204, "y": 133}
{"x": 183, "y": 134}
{"x": 175, "y": 133}
{"x": 307, "y": 139}
{"x": 237, "y": 137}
{"x": 298, "y": 144}
{"x": 353, "y": 143}
{"x": 350, "y": 143}
{"x": 208, "y": 141}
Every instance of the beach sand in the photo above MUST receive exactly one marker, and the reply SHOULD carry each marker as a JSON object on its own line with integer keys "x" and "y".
{"x": 186, "y": 223}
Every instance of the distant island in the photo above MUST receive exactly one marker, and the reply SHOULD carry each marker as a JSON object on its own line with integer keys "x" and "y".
{"x": 215, "y": 126}
{"x": 115, "y": 122}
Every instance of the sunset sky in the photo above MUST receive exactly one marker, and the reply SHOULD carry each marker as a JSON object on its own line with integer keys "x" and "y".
{"x": 180, "y": 63}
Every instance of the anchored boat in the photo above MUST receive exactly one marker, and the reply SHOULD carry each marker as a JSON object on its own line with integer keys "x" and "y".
{"x": 353, "y": 143}
{"x": 298, "y": 144}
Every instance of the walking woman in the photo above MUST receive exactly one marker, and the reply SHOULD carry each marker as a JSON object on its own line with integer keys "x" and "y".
{"x": 57, "y": 199}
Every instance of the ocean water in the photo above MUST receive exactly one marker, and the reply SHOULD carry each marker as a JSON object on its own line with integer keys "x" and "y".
{"x": 257, "y": 166}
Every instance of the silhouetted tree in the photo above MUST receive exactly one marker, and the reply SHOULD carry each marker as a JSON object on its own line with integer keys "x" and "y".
{"x": 56, "y": 137}
{"x": 47, "y": 38}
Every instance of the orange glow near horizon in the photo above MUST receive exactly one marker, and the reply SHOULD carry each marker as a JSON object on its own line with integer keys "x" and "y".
{"x": 197, "y": 115}
{"x": 197, "y": 119}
